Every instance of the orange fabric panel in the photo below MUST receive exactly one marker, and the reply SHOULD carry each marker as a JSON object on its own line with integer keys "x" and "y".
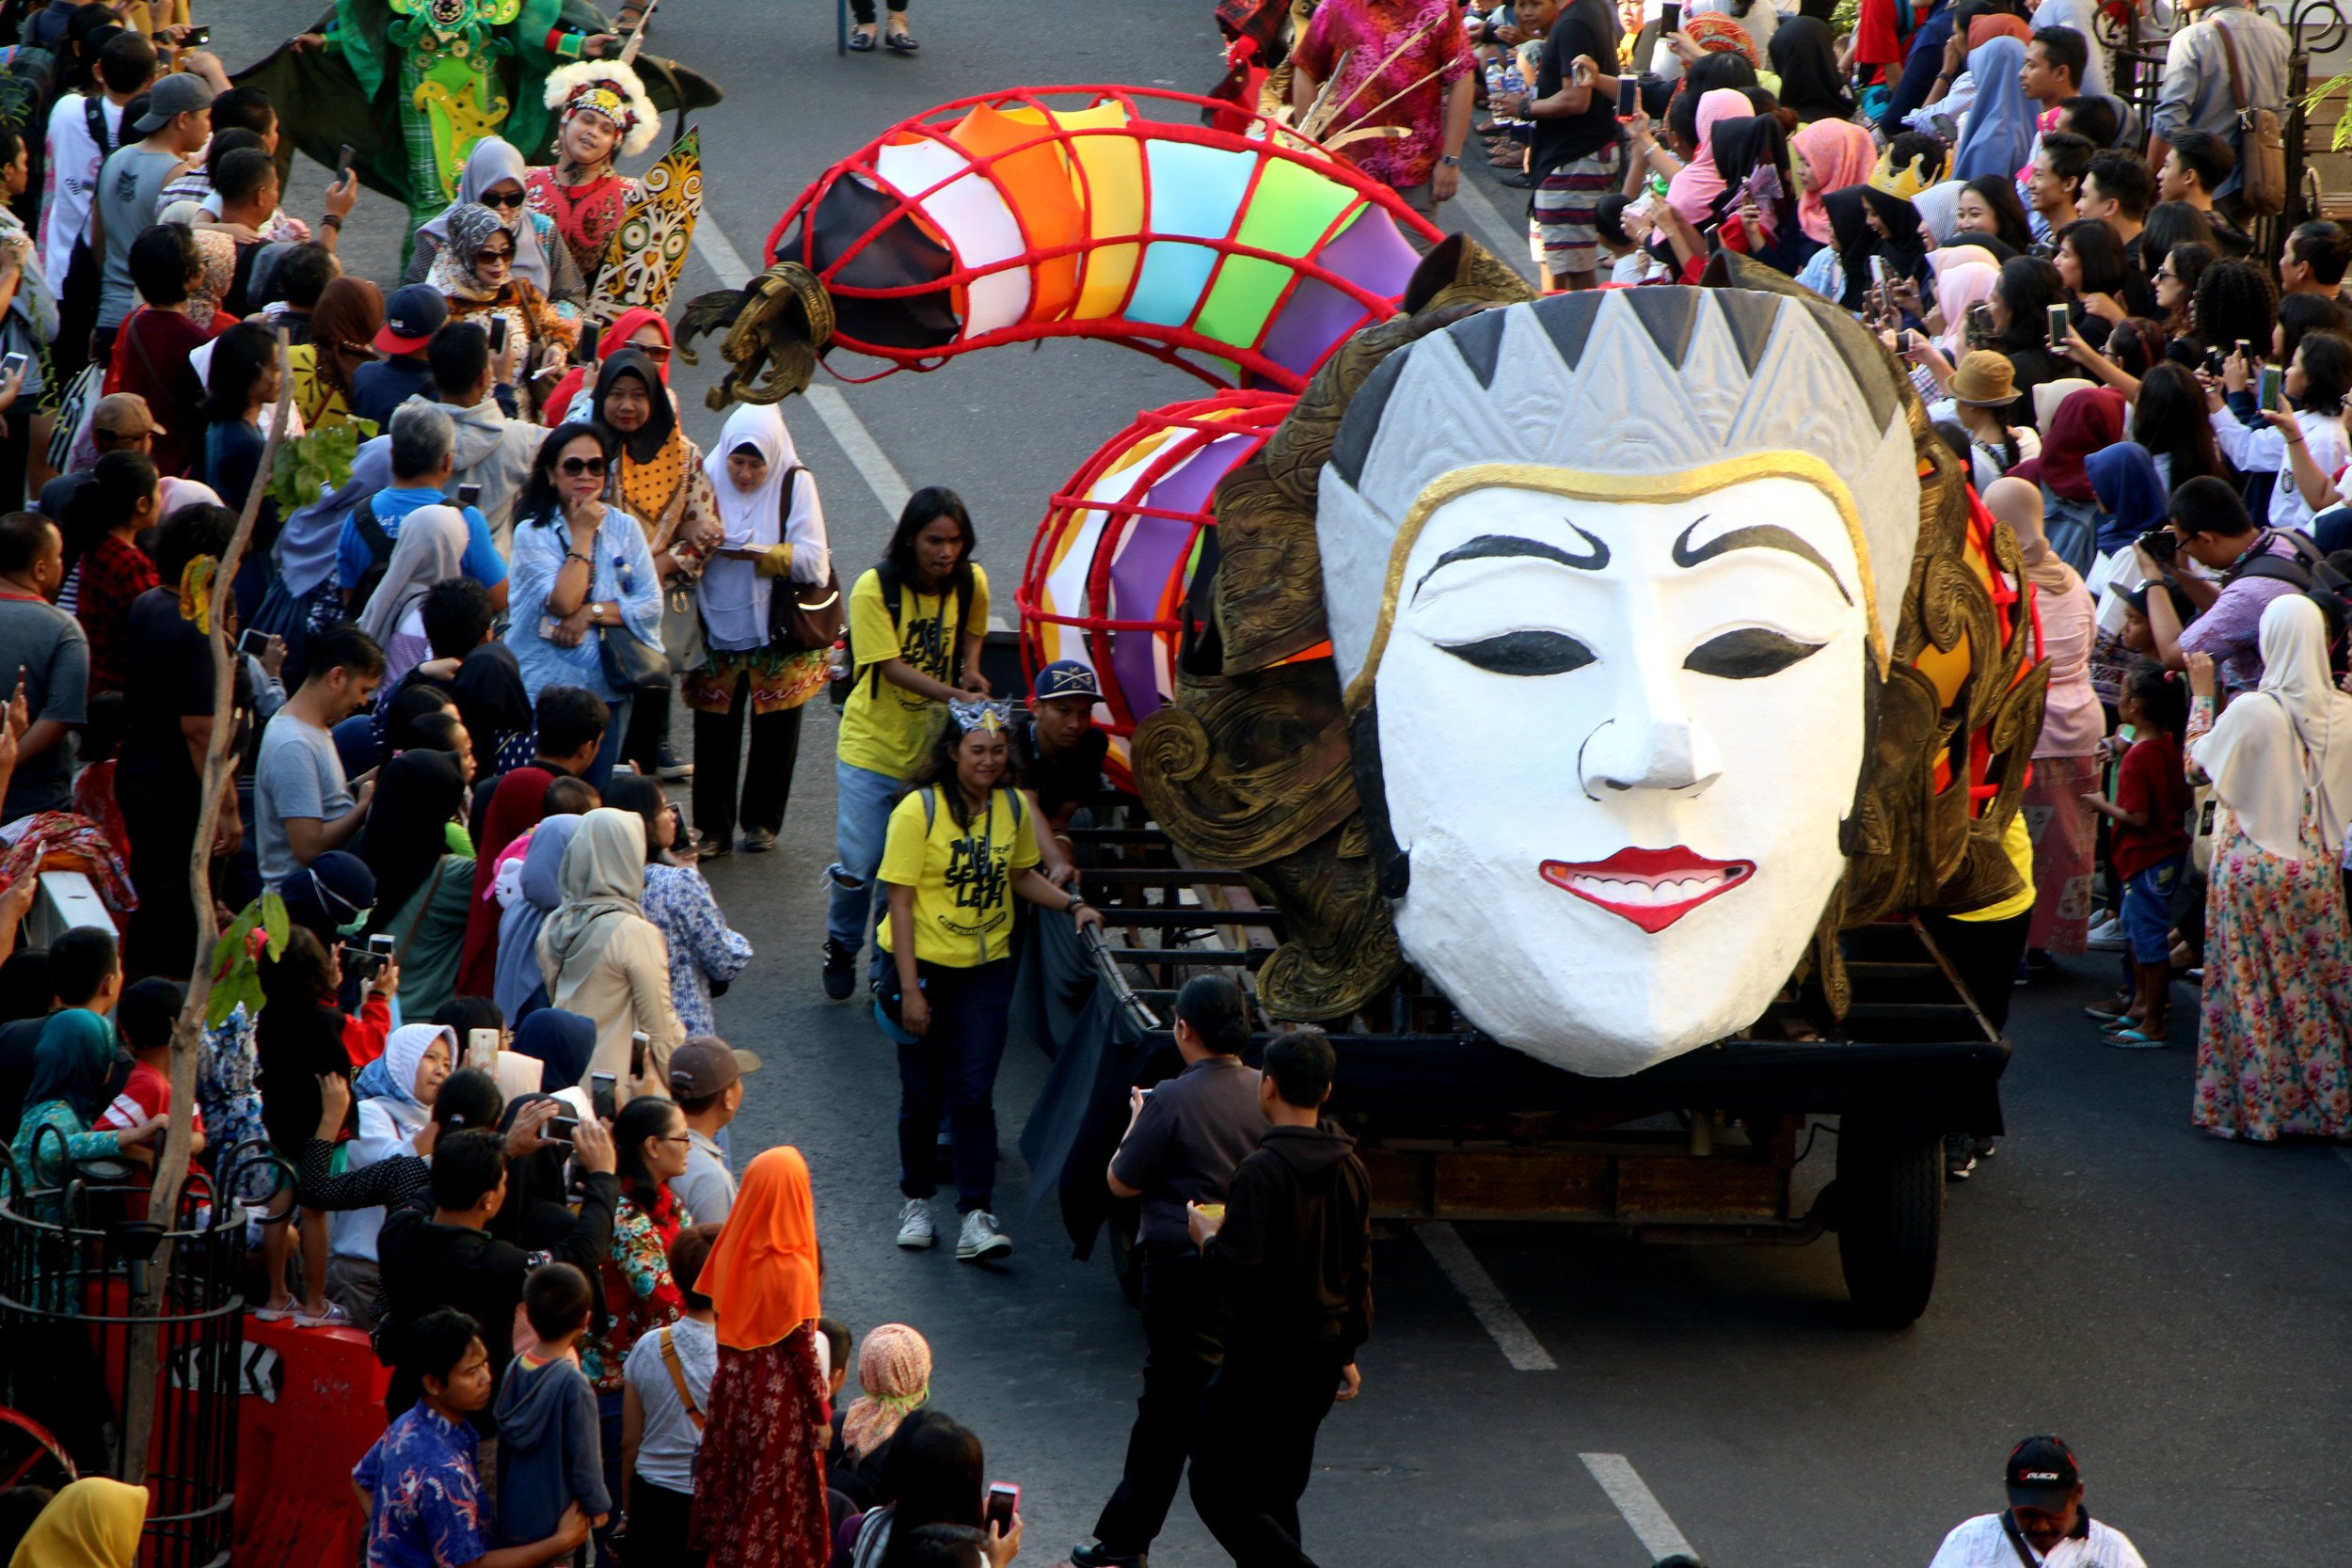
{"x": 1036, "y": 186}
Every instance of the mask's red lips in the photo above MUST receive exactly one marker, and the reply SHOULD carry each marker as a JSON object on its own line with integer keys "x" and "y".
{"x": 1652, "y": 888}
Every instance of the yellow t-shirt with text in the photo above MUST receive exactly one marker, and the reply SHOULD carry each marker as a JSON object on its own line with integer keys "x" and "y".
{"x": 962, "y": 875}
{"x": 886, "y": 728}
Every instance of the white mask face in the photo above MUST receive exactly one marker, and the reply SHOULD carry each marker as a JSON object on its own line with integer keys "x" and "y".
{"x": 1619, "y": 738}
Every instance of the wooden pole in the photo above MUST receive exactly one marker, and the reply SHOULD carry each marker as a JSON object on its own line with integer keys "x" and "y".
{"x": 188, "y": 1035}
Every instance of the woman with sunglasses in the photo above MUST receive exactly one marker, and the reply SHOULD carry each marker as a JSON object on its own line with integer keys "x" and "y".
{"x": 495, "y": 177}
{"x": 475, "y": 272}
{"x": 582, "y": 573}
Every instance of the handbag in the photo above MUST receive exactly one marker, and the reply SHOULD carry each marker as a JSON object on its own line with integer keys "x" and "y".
{"x": 2202, "y": 809}
{"x": 2262, "y": 153}
{"x": 806, "y": 616}
{"x": 682, "y": 636}
{"x": 630, "y": 662}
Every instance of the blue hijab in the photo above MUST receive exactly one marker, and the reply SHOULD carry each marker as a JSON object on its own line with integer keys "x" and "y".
{"x": 561, "y": 1041}
{"x": 517, "y": 976}
{"x": 2001, "y": 126}
{"x": 2130, "y": 496}
{"x": 73, "y": 1062}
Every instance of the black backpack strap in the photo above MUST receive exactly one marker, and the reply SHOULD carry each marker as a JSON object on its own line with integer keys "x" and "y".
{"x": 2298, "y": 568}
{"x": 894, "y": 595}
{"x": 931, "y": 807}
{"x": 94, "y": 115}
{"x": 372, "y": 531}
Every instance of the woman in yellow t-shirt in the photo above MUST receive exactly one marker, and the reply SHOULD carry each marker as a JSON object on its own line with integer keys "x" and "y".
{"x": 959, "y": 845}
{"x": 916, "y": 623}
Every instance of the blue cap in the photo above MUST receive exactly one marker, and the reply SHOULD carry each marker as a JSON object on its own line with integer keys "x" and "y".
{"x": 1065, "y": 677}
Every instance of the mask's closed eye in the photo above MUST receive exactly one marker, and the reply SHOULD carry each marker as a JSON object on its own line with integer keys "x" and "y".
{"x": 1524, "y": 652}
{"x": 1748, "y": 654}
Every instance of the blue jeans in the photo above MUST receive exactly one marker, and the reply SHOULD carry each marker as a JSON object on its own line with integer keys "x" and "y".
{"x": 615, "y": 729}
{"x": 2147, "y": 913}
{"x": 953, "y": 1068}
{"x": 863, "y": 801}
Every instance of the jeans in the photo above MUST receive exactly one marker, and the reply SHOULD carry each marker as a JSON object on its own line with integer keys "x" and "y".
{"x": 615, "y": 727}
{"x": 862, "y": 802}
{"x": 953, "y": 1068}
{"x": 1255, "y": 1448}
{"x": 767, "y": 777}
{"x": 1183, "y": 1348}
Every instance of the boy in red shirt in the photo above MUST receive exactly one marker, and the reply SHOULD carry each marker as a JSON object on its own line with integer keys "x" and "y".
{"x": 2150, "y": 844}
{"x": 143, "y": 1020}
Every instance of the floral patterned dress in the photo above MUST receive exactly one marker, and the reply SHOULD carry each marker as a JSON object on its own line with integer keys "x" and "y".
{"x": 226, "y": 1096}
{"x": 759, "y": 1482}
{"x": 2278, "y": 1002}
{"x": 703, "y": 947}
{"x": 639, "y": 1294}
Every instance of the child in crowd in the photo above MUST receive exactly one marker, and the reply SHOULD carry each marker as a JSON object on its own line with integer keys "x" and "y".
{"x": 2150, "y": 847}
{"x": 666, "y": 1392}
{"x": 551, "y": 1453}
{"x": 1629, "y": 260}
{"x": 143, "y": 1022}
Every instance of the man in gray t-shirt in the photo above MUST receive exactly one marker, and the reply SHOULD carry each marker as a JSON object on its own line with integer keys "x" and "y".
{"x": 303, "y": 806}
{"x": 45, "y": 644}
{"x": 178, "y": 123}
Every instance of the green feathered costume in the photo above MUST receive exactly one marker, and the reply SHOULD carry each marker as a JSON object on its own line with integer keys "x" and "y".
{"x": 412, "y": 85}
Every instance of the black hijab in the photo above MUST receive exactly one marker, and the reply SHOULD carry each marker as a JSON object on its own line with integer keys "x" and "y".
{"x": 1905, "y": 252}
{"x": 1849, "y": 231}
{"x": 644, "y": 444}
{"x": 416, "y": 797}
{"x": 1803, "y": 55}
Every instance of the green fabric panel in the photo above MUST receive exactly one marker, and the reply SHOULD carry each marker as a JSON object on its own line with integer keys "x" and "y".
{"x": 1286, "y": 214}
{"x": 359, "y": 37}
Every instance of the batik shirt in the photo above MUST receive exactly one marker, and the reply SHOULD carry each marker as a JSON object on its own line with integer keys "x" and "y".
{"x": 639, "y": 1294}
{"x": 703, "y": 947}
{"x": 428, "y": 1510}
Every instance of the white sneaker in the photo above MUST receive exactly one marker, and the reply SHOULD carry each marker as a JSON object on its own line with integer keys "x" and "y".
{"x": 915, "y": 1225}
{"x": 981, "y": 1239}
{"x": 2105, "y": 937}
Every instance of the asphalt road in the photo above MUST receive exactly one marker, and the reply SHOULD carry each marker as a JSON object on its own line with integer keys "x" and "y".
{"x": 2175, "y": 1307}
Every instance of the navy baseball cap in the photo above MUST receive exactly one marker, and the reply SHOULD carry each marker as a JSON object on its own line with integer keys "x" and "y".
{"x": 2042, "y": 1473}
{"x": 411, "y": 316}
{"x": 1064, "y": 677}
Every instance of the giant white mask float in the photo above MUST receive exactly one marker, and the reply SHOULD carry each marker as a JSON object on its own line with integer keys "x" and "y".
{"x": 1624, "y": 594}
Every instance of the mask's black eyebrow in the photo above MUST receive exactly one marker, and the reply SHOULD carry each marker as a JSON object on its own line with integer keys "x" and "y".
{"x": 1755, "y": 536}
{"x": 1488, "y": 546}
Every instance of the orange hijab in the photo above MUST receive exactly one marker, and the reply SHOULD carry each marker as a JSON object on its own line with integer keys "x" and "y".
{"x": 761, "y": 1275}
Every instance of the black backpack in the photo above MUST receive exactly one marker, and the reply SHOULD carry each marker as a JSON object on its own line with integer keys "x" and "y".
{"x": 379, "y": 552}
{"x": 893, "y": 594}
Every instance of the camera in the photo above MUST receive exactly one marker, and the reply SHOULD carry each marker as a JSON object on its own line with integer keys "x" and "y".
{"x": 2161, "y": 544}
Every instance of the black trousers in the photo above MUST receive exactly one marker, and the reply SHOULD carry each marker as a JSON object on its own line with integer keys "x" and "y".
{"x": 1985, "y": 954}
{"x": 658, "y": 1518}
{"x": 1255, "y": 1448}
{"x": 766, "y": 775}
{"x": 1183, "y": 1348}
{"x": 162, "y": 821}
{"x": 648, "y": 727}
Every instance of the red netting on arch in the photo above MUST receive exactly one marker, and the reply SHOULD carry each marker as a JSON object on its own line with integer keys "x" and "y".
{"x": 1111, "y": 564}
{"x": 1244, "y": 257}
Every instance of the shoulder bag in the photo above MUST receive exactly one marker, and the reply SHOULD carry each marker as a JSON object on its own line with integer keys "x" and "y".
{"x": 682, "y": 637}
{"x": 804, "y": 616}
{"x": 677, "y": 1379}
{"x": 631, "y": 664}
{"x": 2262, "y": 153}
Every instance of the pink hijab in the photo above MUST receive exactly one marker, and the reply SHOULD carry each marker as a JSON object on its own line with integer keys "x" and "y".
{"x": 1692, "y": 192}
{"x": 1842, "y": 153}
{"x": 1963, "y": 276}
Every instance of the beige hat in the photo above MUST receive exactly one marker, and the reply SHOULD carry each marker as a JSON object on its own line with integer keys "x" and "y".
{"x": 124, "y": 416}
{"x": 1984, "y": 380}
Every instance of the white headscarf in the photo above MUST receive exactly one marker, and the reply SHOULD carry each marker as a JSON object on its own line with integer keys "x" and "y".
{"x": 403, "y": 1055}
{"x": 429, "y": 549}
{"x": 2288, "y": 740}
{"x": 494, "y": 159}
{"x": 735, "y": 597}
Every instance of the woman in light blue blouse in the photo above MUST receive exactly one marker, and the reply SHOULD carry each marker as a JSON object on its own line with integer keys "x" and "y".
{"x": 582, "y": 573}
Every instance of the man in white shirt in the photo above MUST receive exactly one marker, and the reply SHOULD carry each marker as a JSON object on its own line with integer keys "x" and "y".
{"x": 2045, "y": 1524}
{"x": 125, "y": 66}
{"x": 707, "y": 1081}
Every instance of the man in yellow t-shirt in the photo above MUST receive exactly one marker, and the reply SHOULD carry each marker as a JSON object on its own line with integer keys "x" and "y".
{"x": 916, "y": 623}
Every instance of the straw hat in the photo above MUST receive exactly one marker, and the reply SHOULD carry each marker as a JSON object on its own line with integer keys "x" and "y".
{"x": 1984, "y": 379}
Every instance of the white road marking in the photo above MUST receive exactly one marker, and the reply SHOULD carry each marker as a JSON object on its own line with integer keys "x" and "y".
{"x": 1636, "y": 1504}
{"x": 1487, "y": 1303}
{"x": 1498, "y": 233}
{"x": 857, "y": 443}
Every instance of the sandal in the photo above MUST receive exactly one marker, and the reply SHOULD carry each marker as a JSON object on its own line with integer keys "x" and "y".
{"x": 334, "y": 1316}
{"x": 860, "y": 43}
{"x": 2107, "y": 1012}
{"x": 900, "y": 43}
{"x": 2132, "y": 1038}
{"x": 275, "y": 1314}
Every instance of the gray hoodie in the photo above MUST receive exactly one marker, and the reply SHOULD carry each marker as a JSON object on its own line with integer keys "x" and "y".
{"x": 495, "y": 452}
{"x": 550, "y": 1450}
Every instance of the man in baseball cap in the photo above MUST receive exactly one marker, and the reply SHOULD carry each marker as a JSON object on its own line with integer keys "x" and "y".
{"x": 2045, "y": 1523}
{"x": 1064, "y": 767}
{"x": 411, "y": 316}
{"x": 181, "y": 93}
{"x": 707, "y": 1081}
{"x": 123, "y": 422}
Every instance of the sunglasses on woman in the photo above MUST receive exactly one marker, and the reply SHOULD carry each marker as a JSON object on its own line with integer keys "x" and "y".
{"x": 506, "y": 255}
{"x": 493, "y": 199}
{"x": 592, "y": 466}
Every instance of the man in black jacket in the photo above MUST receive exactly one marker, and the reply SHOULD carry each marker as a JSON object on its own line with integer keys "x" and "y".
{"x": 437, "y": 1252}
{"x": 1290, "y": 1260}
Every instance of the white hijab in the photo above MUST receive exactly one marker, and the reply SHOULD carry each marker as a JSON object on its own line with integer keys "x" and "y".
{"x": 2288, "y": 740}
{"x": 430, "y": 548}
{"x": 494, "y": 159}
{"x": 403, "y": 1054}
{"x": 735, "y": 597}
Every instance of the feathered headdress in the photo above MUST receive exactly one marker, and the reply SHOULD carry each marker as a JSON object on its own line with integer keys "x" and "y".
{"x": 611, "y": 89}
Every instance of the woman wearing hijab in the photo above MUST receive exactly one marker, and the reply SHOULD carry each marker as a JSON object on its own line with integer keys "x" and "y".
{"x": 1759, "y": 224}
{"x": 2000, "y": 134}
{"x": 1692, "y": 192}
{"x": 1939, "y": 212}
{"x": 600, "y": 956}
{"x": 475, "y": 270}
{"x": 759, "y": 1483}
{"x": 495, "y": 179}
{"x": 642, "y": 329}
{"x": 1964, "y": 278}
{"x": 660, "y": 482}
{"x": 893, "y": 1377}
{"x": 430, "y": 549}
{"x": 515, "y": 807}
{"x": 1896, "y": 223}
{"x": 73, "y": 1072}
{"x": 1845, "y": 277}
{"x": 349, "y": 313}
{"x": 1831, "y": 155}
{"x": 1804, "y": 53}
{"x": 2278, "y": 995}
{"x": 422, "y": 887}
{"x": 417, "y": 1060}
{"x": 561, "y": 1044}
{"x": 519, "y": 991}
{"x": 90, "y": 1522}
{"x": 772, "y": 542}
{"x": 2131, "y": 494}
{"x": 2088, "y": 421}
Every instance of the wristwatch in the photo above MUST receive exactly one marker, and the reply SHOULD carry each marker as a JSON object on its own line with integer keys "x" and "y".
{"x": 1451, "y": 161}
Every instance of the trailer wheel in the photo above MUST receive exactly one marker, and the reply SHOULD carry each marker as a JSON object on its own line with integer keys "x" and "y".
{"x": 1890, "y": 1220}
{"x": 1126, "y": 1256}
